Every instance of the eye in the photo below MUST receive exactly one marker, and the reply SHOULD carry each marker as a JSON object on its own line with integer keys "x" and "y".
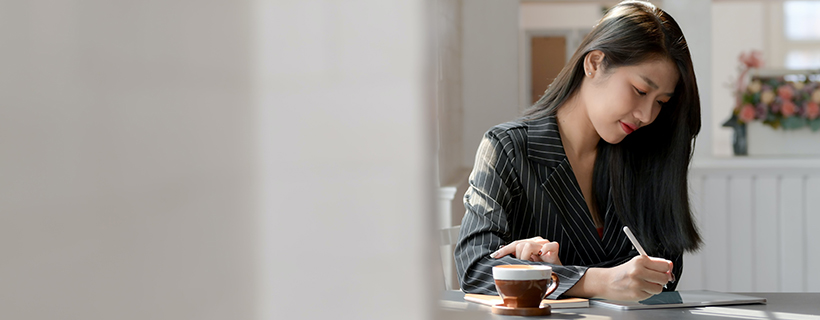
{"x": 661, "y": 103}
{"x": 640, "y": 92}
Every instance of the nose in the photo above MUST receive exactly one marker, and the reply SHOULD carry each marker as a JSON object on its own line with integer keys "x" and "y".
{"x": 643, "y": 113}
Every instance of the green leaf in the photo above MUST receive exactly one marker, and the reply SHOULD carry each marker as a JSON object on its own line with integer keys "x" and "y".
{"x": 775, "y": 123}
{"x": 793, "y": 122}
{"x": 815, "y": 124}
{"x": 803, "y": 122}
{"x": 747, "y": 98}
{"x": 773, "y": 83}
{"x": 770, "y": 118}
{"x": 772, "y": 122}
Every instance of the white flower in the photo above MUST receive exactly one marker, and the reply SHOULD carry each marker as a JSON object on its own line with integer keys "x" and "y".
{"x": 815, "y": 96}
{"x": 798, "y": 85}
{"x": 767, "y": 96}
{"x": 754, "y": 87}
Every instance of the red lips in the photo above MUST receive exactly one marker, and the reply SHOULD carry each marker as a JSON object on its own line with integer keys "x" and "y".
{"x": 628, "y": 127}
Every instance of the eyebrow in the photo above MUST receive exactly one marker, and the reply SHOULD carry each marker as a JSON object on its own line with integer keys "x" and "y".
{"x": 653, "y": 85}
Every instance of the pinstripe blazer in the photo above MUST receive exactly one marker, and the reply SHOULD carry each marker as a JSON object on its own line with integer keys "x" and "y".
{"x": 522, "y": 186}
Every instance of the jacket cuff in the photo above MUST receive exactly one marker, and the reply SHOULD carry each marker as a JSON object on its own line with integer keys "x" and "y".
{"x": 568, "y": 276}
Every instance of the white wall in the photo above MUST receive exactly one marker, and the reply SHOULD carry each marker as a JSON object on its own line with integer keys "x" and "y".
{"x": 489, "y": 68}
{"x": 535, "y": 15}
{"x": 449, "y": 106}
{"x": 231, "y": 160}
{"x": 694, "y": 18}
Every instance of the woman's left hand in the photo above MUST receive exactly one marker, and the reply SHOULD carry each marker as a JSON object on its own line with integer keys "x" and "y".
{"x": 533, "y": 249}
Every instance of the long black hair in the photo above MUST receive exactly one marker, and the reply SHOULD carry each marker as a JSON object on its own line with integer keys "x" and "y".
{"x": 646, "y": 173}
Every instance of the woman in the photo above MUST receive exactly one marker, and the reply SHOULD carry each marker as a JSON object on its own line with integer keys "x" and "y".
{"x": 607, "y": 146}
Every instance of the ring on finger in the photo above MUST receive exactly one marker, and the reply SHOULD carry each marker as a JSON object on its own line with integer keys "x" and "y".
{"x": 539, "y": 253}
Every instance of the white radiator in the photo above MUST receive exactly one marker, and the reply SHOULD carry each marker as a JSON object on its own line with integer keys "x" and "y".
{"x": 760, "y": 220}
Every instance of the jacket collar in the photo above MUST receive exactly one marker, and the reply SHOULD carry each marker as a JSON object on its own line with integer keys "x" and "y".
{"x": 544, "y": 142}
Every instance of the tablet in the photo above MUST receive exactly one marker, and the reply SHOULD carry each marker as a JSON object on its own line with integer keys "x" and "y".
{"x": 679, "y": 299}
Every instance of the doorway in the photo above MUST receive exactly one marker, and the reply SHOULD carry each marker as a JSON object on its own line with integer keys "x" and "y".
{"x": 544, "y": 54}
{"x": 547, "y": 57}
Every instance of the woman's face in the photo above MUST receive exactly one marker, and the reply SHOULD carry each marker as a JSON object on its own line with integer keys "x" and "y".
{"x": 625, "y": 99}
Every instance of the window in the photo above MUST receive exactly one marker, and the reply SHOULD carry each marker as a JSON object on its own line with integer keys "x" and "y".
{"x": 800, "y": 20}
{"x": 801, "y": 34}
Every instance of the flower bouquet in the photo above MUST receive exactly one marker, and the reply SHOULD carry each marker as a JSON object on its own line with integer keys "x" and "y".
{"x": 788, "y": 101}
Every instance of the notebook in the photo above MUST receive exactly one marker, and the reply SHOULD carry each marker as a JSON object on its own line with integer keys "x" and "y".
{"x": 492, "y": 300}
{"x": 679, "y": 299}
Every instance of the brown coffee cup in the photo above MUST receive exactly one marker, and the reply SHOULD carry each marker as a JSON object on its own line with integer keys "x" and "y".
{"x": 524, "y": 286}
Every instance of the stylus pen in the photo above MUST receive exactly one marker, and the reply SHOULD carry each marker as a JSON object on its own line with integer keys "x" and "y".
{"x": 638, "y": 247}
{"x": 635, "y": 242}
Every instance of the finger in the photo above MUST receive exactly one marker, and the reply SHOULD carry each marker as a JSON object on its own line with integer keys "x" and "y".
{"x": 652, "y": 270}
{"x": 671, "y": 272}
{"x": 536, "y": 251}
{"x": 652, "y": 288}
{"x": 658, "y": 264}
{"x": 550, "y": 253}
{"x": 550, "y": 247}
{"x": 652, "y": 276}
{"x": 666, "y": 267}
{"x": 516, "y": 248}
{"x": 542, "y": 241}
{"x": 542, "y": 251}
{"x": 536, "y": 256}
{"x": 639, "y": 290}
{"x": 503, "y": 251}
{"x": 542, "y": 255}
{"x": 533, "y": 256}
{"x": 644, "y": 295}
{"x": 537, "y": 240}
{"x": 525, "y": 250}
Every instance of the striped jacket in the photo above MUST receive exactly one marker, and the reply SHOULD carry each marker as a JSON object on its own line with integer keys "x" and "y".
{"x": 522, "y": 186}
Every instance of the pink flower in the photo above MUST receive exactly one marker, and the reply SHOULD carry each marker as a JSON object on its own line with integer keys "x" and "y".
{"x": 785, "y": 92}
{"x": 788, "y": 109}
{"x": 747, "y": 113}
{"x": 751, "y": 59}
{"x": 812, "y": 110}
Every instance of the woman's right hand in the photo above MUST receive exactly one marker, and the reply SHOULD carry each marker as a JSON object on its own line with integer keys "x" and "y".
{"x": 636, "y": 280}
{"x": 533, "y": 249}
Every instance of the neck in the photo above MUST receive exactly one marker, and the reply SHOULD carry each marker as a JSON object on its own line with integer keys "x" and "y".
{"x": 578, "y": 136}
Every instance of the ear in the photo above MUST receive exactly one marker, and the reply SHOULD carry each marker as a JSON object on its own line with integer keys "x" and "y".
{"x": 593, "y": 62}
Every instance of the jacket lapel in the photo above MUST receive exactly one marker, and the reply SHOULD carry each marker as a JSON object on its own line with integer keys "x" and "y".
{"x": 615, "y": 242}
{"x": 544, "y": 147}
